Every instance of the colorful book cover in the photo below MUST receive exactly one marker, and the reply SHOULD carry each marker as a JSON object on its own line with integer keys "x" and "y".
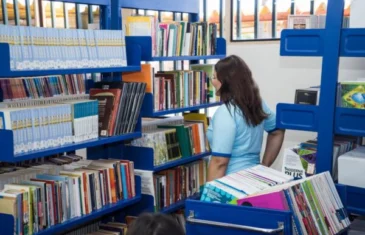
{"x": 274, "y": 200}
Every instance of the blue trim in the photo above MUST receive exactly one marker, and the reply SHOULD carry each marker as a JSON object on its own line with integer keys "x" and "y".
{"x": 271, "y": 131}
{"x": 215, "y": 154}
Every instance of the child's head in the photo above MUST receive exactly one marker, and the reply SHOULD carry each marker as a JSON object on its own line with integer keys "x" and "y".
{"x": 155, "y": 224}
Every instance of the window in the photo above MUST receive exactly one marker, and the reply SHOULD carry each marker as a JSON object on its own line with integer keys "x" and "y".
{"x": 265, "y": 19}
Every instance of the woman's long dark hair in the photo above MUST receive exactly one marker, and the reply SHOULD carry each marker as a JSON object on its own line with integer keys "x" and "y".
{"x": 239, "y": 89}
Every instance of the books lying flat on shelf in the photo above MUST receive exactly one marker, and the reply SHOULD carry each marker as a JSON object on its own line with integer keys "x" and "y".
{"x": 34, "y": 48}
{"x": 119, "y": 106}
{"x": 314, "y": 201}
{"x": 176, "y": 89}
{"x": 300, "y": 161}
{"x": 99, "y": 228}
{"x": 41, "y": 200}
{"x": 233, "y": 187}
{"x": 43, "y": 87}
{"x": 175, "y": 38}
{"x": 351, "y": 167}
{"x": 40, "y": 127}
{"x": 172, "y": 141}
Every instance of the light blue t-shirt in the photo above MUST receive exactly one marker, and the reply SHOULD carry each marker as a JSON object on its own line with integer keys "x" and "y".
{"x": 230, "y": 136}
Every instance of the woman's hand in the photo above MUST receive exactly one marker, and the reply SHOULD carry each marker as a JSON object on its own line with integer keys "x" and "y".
{"x": 217, "y": 167}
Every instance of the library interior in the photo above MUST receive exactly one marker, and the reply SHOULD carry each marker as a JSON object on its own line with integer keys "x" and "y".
{"x": 193, "y": 117}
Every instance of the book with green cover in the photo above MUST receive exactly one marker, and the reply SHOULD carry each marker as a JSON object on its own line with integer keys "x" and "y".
{"x": 183, "y": 139}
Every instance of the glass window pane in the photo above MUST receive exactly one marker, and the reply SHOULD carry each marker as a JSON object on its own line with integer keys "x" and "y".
{"x": 185, "y": 17}
{"x": 84, "y": 16}
{"x": 302, "y": 7}
{"x": 1, "y": 13}
{"x": 71, "y": 15}
{"x": 11, "y": 14}
{"x": 247, "y": 18}
{"x": 47, "y": 14}
{"x": 265, "y": 19}
{"x": 320, "y": 7}
{"x": 168, "y": 65}
{"x": 201, "y": 10}
{"x": 33, "y": 13}
{"x": 59, "y": 15}
{"x": 166, "y": 16}
{"x": 22, "y": 12}
{"x": 96, "y": 14}
{"x": 282, "y": 11}
{"x": 152, "y": 13}
{"x": 213, "y": 13}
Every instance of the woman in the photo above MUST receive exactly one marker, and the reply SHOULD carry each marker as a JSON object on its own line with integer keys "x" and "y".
{"x": 236, "y": 132}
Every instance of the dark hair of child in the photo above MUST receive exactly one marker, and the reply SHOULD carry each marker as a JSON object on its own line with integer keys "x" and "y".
{"x": 155, "y": 224}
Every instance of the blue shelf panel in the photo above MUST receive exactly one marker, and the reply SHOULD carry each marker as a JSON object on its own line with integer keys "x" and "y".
{"x": 302, "y": 42}
{"x": 350, "y": 121}
{"x": 133, "y": 57}
{"x": 297, "y": 117}
{"x": 145, "y": 43}
{"x": 7, "y": 146}
{"x": 232, "y": 214}
{"x": 148, "y": 107}
{"x": 179, "y": 205}
{"x": 187, "y": 6}
{"x": 353, "y": 43}
{"x": 143, "y": 159}
{"x": 352, "y": 198}
{"x": 7, "y": 221}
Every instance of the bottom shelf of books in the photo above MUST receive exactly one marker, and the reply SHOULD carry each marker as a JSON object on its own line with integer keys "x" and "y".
{"x": 260, "y": 200}
{"x": 53, "y": 199}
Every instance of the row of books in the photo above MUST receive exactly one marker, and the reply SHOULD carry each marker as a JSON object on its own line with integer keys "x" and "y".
{"x": 50, "y": 48}
{"x": 177, "y": 89}
{"x": 40, "y": 127}
{"x": 314, "y": 202}
{"x": 43, "y": 87}
{"x": 179, "y": 183}
{"x": 120, "y": 104}
{"x": 174, "y": 138}
{"x": 300, "y": 161}
{"x": 82, "y": 187}
{"x": 233, "y": 187}
{"x": 175, "y": 38}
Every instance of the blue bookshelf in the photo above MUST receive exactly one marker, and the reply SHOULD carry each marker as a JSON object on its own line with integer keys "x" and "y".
{"x": 326, "y": 119}
{"x": 143, "y": 159}
{"x": 148, "y": 107}
{"x": 7, "y": 146}
{"x": 78, "y": 221}
{"x": 133, "y": 57}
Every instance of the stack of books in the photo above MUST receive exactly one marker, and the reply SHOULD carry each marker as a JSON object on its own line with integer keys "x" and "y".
{"x": 174, "y": 138}
{"x": 314, "y": 201}
{"x": 50, "y": 48}
{"x": 40, "y": 200}
{"x": 119, "y": 106}
{"x": 175, "y": 38}
{"x": 229, "y": 189}
{"x": 300, "y": 161}
{"x": 42, "y": 87}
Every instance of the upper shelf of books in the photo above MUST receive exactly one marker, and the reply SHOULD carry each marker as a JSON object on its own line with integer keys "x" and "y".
{"x": 186, "y": 6}
{"x": 310, "y": 42}
{"x": 33, "y": 51}
{"x": 172, "y": 41}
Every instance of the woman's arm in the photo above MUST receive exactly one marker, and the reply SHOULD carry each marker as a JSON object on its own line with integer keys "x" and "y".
{"x": 273, "y": 146}
{"x": 217, "y": 167}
